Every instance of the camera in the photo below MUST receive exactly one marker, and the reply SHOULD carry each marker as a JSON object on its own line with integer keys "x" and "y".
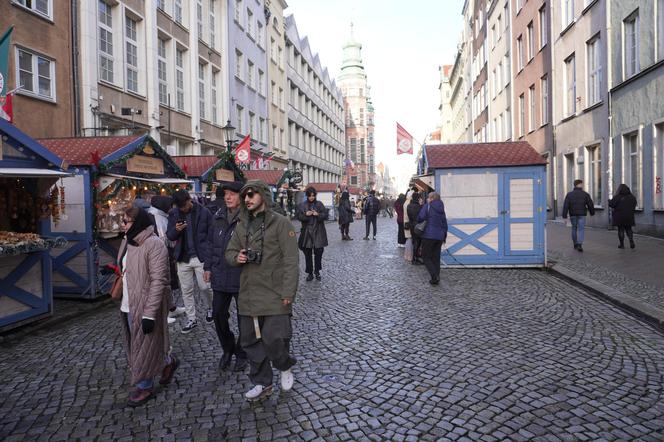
{"x": 254, "y": 256}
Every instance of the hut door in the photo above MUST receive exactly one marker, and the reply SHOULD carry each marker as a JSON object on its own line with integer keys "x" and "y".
{"x": 519, "y": 213}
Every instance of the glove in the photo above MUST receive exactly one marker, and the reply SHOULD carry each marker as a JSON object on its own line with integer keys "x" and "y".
{"x": 147, "y": 325}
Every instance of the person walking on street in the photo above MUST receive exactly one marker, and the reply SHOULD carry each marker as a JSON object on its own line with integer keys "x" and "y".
{"x": 434, "y": 236}
{"x": 577, "y": 204}
{"x": 189, "y": 225}
{"x": 398, "y": 207}
{"x": 264, "y": 245}
{"x": 224, "y": 278}
{"x": 412, "y": 212}
{"x": 313, "y": 236}
{"x": 143, "y": 262}
{"x": 346, "y": 215}
{"x": 371, "y": 210}
{"x": 623, "y": 204}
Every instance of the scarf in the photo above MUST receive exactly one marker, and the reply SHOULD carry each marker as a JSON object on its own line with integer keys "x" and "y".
{"x": 142, "y": 222}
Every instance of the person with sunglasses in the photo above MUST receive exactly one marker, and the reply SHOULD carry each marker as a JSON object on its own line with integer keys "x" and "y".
{"x": 264, "y": 245}
{"x": 313, "y": 236}
{"x": 143, "y": 261}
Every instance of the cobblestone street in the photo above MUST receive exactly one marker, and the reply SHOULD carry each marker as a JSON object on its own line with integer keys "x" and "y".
{"x": 487, "y": 355}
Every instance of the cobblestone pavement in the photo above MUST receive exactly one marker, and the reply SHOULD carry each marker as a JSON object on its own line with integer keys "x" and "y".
{"x": 487, "y": 355}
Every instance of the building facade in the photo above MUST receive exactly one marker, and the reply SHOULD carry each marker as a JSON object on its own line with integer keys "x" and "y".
{"x": 460, "y": 82}
{"x": 445, "y": 107}
{"x": 581, "y": 111}
{"x": 40, "y": 66}
{"x": 499, "y": 90}
{"x": 315, "y": 113}
{"x": 278, "y": 84}
{"x": 479, "y": 75}
{"x": 636, "y": 79}
{"x": 531, "y": 90}
{"x": 359, "y": 133}
{"x": 246, "y": 55}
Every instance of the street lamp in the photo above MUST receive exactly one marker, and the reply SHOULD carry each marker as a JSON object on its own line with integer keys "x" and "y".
{"x": 229, "y": 133}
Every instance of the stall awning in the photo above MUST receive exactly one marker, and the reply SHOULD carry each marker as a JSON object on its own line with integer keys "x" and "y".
{"x": 424, "y": 181}
{"x": 164, "y": 180}
{"x": 28, "y": 172}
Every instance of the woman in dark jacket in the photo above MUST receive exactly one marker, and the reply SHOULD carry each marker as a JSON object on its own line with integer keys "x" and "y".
{"x": 434, "y": 235}
{"x": 413, "y": 211}
{"x": 623, "y": 204}
{"x": 346, "y": 215}
{"x": 398, "y": 207}
{"x": 313, "y": 237}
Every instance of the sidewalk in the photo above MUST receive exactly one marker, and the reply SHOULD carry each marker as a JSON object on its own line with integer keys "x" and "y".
{"x": 632, "y": 279}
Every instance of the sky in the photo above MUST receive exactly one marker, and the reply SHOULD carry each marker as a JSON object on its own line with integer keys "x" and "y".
{"x": 403, "y": 43}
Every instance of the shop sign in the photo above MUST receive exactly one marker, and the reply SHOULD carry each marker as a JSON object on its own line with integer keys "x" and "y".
{"x": 143, "y": 164}
{"x": 224, "y": 175}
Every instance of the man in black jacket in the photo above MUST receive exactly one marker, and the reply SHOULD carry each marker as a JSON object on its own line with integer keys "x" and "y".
{"x": 188, "y": 226}
{"x": 371, "y": 209}
{"x": 577, "y": 204}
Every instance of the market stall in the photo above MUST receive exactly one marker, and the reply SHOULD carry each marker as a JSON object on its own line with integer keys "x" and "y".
{"x": 325, "y": 194}
{"x": 29, "y": 195}
{"x": 208, "y": 170}
{"x": 110, "y": 173}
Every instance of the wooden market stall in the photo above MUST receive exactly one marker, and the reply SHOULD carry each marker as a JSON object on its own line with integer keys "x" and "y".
{"x": 495, "y": 201}
{"x": 109, "y": 174}
{"x": 207, "y": 170}
{"x": 28, "y": 195}
{"x": 326, "y": 196}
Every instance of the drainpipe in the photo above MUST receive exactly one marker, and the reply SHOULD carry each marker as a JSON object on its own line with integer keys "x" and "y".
{"x": 75, "y": 67}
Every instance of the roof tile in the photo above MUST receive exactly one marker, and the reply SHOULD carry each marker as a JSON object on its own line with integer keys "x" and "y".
{"x": 514, "y": 153}
{"x": 79, "y": 151}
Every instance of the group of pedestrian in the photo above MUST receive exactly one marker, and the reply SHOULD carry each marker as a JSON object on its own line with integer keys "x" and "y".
{"x": 578, "y": 204}
{"x": 245, "y": 251}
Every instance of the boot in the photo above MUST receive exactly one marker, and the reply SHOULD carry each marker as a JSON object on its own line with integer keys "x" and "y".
{"x": 622, "y": 245}
{"x": 631, "y": 243}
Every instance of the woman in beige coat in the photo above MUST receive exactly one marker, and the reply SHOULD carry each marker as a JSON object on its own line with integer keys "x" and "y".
{"x": 143, "y": 259}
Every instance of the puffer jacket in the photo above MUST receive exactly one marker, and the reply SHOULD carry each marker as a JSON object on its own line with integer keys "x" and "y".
{"x": 225, "y": 277}
{"x": 434, "y": 214}
{"x": 148, "y": 287}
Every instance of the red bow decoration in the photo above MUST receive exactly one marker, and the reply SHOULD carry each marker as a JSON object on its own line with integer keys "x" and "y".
{"x": 96, "y": 158}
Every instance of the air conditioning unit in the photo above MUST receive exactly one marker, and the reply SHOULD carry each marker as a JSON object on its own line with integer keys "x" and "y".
{"x": 171, "y": 150}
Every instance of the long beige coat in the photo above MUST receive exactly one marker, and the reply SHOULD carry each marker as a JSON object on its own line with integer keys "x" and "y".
{"x": 148, "y": 285}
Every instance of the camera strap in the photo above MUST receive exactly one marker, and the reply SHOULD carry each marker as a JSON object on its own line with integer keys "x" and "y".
{"x": 246, "y": 238}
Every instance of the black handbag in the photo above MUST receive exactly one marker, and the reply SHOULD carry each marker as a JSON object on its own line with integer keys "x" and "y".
{"x": 421, "y": 227}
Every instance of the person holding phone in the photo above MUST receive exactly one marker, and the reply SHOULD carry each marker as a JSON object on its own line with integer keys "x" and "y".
{"x": 313, "y": 236}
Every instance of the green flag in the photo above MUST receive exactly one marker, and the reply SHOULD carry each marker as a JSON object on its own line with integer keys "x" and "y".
{"x": 4, "y": 61}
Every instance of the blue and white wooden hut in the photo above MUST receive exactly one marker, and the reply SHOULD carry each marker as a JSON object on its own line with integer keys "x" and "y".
{"x": 109, "y": 173}
{"x": 205, "y": 170}
{"x": 27, "y": 170}
{"x": 495, "y": 201}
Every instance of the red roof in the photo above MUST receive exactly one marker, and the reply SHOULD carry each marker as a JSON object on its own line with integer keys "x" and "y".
{"x": 195, "y": 165}
{"x": 516, "y": 153}
{"x": 80, "y": 151}
{"x": 270, "y": 177}
{"x": 324, "y": 187}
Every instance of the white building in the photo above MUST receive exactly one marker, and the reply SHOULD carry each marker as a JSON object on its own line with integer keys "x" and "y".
{"x": 499, "y": 41}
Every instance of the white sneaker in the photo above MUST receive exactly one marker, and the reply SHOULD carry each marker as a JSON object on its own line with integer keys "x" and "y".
{"x": 170, "y": 320}
{"x": 179, "y": 311}
{"x": 258, "y": 392}
{"x": 287, "y": 380}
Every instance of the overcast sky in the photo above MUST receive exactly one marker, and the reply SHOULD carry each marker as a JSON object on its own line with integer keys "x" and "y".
{"x": 403, "y": 43}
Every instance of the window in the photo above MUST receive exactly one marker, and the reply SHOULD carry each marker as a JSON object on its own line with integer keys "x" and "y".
{"x": 261, "y": 129}
{"x": 506, "y": 16}
{"x": 177, "y": 11}
{"x": 281, "y": 98}
{"x": 570, "y": 86}
{"x": 507, "y": 75}
{"x": 632, "y": 168}
{"x": 522, "y": 115}
{"x": 239, "y": 114}
{"x": 201, "y": 90}
{"x": 36, "y": 74}
{"x": 105, "y": 42}
{"x": 273, "y": 86}
{"x": 508, "y": 124}
{"x": 199, "y": 18}
{"x": 353, "y": 150}
{"x": 213, "y": 26}
{"x": 543, "y": 27}
{"x": 260, "y": 33}
{"x": 179, "y": 79}
{"x": 161, "y": 4}
{"x": 519, "y": 52}
{"x": 250, "y": 74}
{"x": 567, "y": 12}
{"x": 660, "y": 29}
{"x": 252, "y": 124}
{"x": 275, "y": 137}
{"x": 42, "y": 7}
{"x": 595, "y": 174}
{"x": 531, "y": 108}
{"x": 213, "y": 96}
{"x": 544, "y": 102}
{"x": 238, "y": 11}
{"x": 659, "y": 167}
{"x": 162, "y": 71}
{"x": 250, "y": 23}
{"x": 238, "y": 64}
{"x": 594, "y": 71}
{"x": 131, "y": 56}
{"x": 631, "y": 45}
{"x": 280, "y": 60}
{"x": 261, "y": 82}
{"x": 519, "y": 5}
{"x": 531, "y": 41}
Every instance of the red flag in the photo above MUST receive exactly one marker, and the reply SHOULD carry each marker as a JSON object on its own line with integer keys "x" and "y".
{"x": 6, "y": 110}
{"x": 404, "y": 141}
{"x": 243, "y": 151}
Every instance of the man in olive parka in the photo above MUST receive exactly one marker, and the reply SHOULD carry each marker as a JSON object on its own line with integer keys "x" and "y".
{"x": 264, "y": 244}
